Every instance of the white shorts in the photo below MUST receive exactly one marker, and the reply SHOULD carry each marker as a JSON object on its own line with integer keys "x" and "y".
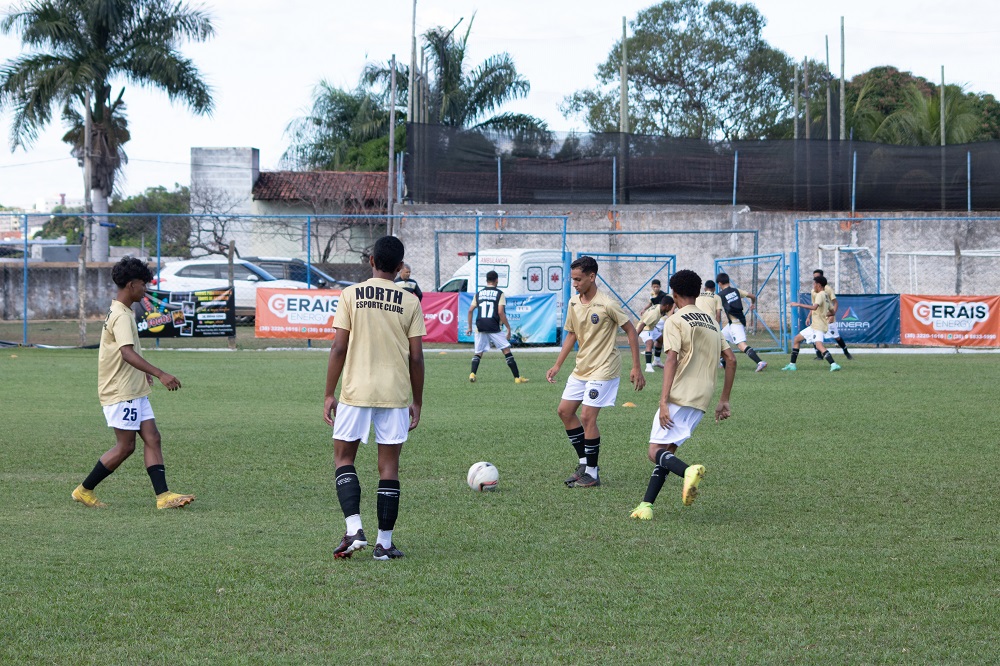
{"x": 685, "y": 419}
{"x": 392, "y": 424}
{"x": 591, "y": 393}
{"x": 834, "y": 331}
{"x": 811, "y": 335}
{"x": 129, "y": 414}
{"x": 483, "y": 340}
{"x": 734, "y": 333}
{"x": 653, "y": 334}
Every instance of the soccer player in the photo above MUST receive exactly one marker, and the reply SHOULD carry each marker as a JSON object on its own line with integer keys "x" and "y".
{"x": 378, "y": 350}
{"x": 814, "y": 332}
{"x": 833, "y": 333}
{"x": 654, "y": 302}
{"x": 124, "y": 382}
{"x": 490, "y": 322}
{"x": 693, "y": 344}
{"x": 709, "y": 301}
{"x": 408, "y": 283}
{"x": 654, "y": 295}
{"x": 652, "y": 321}
{"x": 735, "y": 330}
{"x": 592, "y": 320}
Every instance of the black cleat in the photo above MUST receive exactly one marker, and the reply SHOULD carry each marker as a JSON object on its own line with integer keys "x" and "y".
{"x": 818, "y": 358}
{"x": 350, "y": 543}
{"x": 580, "y": 469}
{"x": 848, "y": 356}
{"x": 587, "y": 481}
{"x": 390, "y": 553}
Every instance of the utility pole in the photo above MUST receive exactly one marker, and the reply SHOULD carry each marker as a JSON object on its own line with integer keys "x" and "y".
{"x": 944, "y": 201}
{"x": 390, "y": 200}
{"x": 413, "y": 66}
{"x": 829, "y": 101}
{"x": 795, "y": 133}
{"x": 88, "y": 207}
{"x": 623, "y": 117}
{"x": 942, "y": 107}
{"x": 806, "y": 94}
{"x": 843, "y": 95}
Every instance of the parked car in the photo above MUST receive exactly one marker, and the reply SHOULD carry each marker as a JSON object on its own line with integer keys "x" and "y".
{"x": 296, "y": 269}
{"x": 199, "y": 274}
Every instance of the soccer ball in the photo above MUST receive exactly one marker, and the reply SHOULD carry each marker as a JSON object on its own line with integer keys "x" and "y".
{"x": 483, "y": 476}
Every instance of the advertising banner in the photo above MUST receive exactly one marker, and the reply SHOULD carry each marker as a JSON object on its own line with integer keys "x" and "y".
{"x": 950, "y": 321}
{"x": 533, "y": 319}
{"x": 187, "y": 314}
{"x": 870, "y": 319}
{"x": 440, "y": 316}
{"x": 295, "y": 313}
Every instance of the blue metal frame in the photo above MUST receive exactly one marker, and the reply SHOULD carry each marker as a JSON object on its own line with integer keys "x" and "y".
{"x": 779, "y": 267}
{"x": 669, "y": 263}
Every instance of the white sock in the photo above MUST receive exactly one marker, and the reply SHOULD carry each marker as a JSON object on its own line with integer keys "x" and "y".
{"x": 353, "y": 523}
{"x": 592, "y": 471}
{"x": 384, "y": 538}
{"x": 583, "y": 461}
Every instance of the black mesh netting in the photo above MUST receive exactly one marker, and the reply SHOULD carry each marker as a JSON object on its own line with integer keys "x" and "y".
{"x": 446, "y": 165}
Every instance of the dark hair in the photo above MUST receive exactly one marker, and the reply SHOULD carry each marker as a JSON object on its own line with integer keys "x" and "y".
{"x": 388, "y": 252}
{"x": 128, "y": 269}
{"x": 666, "y": 300}
{"x": 722, "y": 278}
{"x": 818, "y": 270}
{"x": 492, "y": 276}
{"x": 709, "y": 285}
{"x": 585, "y": 264}
{"x": 655, "y": 281}
{"x": 686, "y": 283}
{"x": 819, "y": 279}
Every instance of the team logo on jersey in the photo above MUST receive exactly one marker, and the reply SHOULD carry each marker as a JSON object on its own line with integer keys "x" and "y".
{"x": 594, "y": 318}
{"x": 593, "y": 392}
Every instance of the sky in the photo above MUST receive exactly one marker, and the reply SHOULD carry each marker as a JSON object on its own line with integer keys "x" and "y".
{"x": 267, "y": 57}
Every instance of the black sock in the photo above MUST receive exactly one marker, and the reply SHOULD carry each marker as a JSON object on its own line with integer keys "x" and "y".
{"x": 649, "y": 358}
{"x": 656, "y": 351}
{"x": 98, "y": 474}
{"x": 828, "y": 356}
{"x": 592, "y": 449}
{"x": 512, "y": 364}
{"x": 655, "y": 483}
{"x": 387, "y": 503}
{"x": 576, "y": 439}
{"x": 752, "y": 354}
{"x": 348, "y": 490}
{"x": 795, "y": 354}
{"x": 671, "y": 463}
{"x": 841, "y": 343}
{"x": 475, "y": 363}
{"x": 158, "y": 475}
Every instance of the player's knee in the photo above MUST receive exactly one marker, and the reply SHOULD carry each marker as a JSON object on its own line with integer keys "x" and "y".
{"x": 565, "y": 412}
{"x": 151, "y": 440}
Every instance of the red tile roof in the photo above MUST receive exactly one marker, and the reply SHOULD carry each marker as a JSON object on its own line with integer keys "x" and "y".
{"x": 349, "y": 189}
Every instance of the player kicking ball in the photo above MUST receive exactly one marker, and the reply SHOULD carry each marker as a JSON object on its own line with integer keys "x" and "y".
{"x": 817, "y": 328}
{"x": 693, "y": 344}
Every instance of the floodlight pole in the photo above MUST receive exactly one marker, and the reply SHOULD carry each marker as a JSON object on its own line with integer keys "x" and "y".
{"x": 390, "y": 199}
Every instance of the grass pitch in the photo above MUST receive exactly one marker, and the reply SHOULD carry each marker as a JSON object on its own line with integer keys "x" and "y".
{"x": 845, "y": 518}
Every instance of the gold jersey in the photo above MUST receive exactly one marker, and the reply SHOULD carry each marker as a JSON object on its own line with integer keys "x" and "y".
{"x": 694, "y": 335}
{"x": 117, "y": 381}
{"x": 596, "y": 325}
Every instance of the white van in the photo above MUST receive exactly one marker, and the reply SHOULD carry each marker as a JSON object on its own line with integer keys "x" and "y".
{"x": 521, "y": 272}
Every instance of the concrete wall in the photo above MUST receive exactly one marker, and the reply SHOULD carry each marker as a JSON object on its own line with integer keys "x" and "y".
{"x": 52, "y": 290}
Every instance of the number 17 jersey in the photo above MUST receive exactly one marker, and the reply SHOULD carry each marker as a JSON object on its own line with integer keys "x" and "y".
{"x": 488, "y": 302}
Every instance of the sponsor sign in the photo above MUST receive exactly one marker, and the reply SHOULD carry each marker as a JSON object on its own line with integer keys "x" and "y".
{"x": 440, "y": 316}
{"x": 533, "y": 319}
{"x": 862, "y": 318}
{"x": 186, "y": 314}
{"x": 950, "y": 321}
{"x": 296, "y": 313}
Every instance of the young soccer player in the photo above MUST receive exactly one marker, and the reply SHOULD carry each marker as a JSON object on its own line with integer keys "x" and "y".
{"x": 378, "y": 351}
{"x": 833, "y": 331}
{"x": 654, "y": 301}
{"x": 124, "y": 382}
{"x": 735, "y": 330}
{"x": 709, "y": 301}
{"x": 652, "y": 321}
{"x": 491, "y": 319}
{"x": 592, "y": 320}
{"x": 813, "y": 333}
{"x": 693, "y": 344}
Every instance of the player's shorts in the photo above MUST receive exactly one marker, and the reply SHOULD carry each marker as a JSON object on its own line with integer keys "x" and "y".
{"x": 811, "y": 335}
{"x": 653, "y": 334}
{"x": 600, "y": 393}
{"x": 392, "y": 424}
{"x": 685, "y": 419}
{"x": 734, "y": 333}
{"x": 128, "y": 415}
{"x": 834, "y": 331}
{"x": 483, "y": 341}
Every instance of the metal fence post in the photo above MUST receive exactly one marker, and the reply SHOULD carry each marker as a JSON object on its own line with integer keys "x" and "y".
{"x": 736, "y": 165}
{"x": 499, "y": 182}
{"x": 854, "y": 182}
{"x": 24, "y": 313}
{"x": 614, "y": 181}
{"x": 968, "y": 178}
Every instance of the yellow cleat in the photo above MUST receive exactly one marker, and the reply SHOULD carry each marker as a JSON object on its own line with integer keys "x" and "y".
{"x": 87, "y": 498}
{"x": 643, "y": 512}
{"x": 472, "y": 377}
{"x": 520, "y": 380}
{"x": 692, "y": 477}
{"x": 170, "y": 500}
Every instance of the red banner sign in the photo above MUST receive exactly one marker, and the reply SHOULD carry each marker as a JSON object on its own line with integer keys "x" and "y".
{"x": 295, "y": 313}
{"x": 440, "y": 316}
{"x": 949, "y": 321}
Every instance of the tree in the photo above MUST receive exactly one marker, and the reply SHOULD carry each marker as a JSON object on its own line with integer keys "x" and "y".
{"x": 172, "y": 207}
{"x": 918, "y": 121}
{"x": 695, "y": 69}
{"x": 75, "y": 48}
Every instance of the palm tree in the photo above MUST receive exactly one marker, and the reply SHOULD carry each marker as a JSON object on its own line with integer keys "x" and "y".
{"x": 76, "y": 48}
{"x": 918, "y": 121}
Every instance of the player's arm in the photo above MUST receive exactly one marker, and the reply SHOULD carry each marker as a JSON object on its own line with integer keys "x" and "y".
{"x": 635, "y": 376}
{"x": 334, "y": 367}
{"x": 669, "y": 372}
{"x": 752, "y": 299}
{"x": 722, "y": 411}
{"x": 416, "y": 379}
{"x": 502, "y": 312}
{"x": 569, "y": 339}
{"x": 133, "y": 358}
{"x": 807, "y": 306}
{"x": 472, "y": 308}
{"x": 416, "y": 291}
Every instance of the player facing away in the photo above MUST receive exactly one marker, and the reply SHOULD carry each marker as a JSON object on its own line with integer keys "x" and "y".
{"x": 833, "y": 330}
{"x": 592, "y": 321}
{"x": 491, "y": 319}
{"x": 735, "y": 331}
{"x": 124, "y": 382}
{"x": 652, "y": 321}
{"x": 814, "y": 332}
{"x": 379, "y": 353}
{"x": 693, "y": 343}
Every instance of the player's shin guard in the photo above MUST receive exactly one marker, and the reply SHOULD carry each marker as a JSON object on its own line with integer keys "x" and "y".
{"x": 828, "y": 357}
{"x": 592, "y": 450}
{"x": 749, "y": 351}
{"x": 649, "y": 358}
{"x": 512, "y": 364}
{"x": 656, "y": 351}
{"x": 655, "y": 484}
{"x": 100, "y": 472}
{"x": 475, "y": 363}
{"x": 795, "y": 354}
{"x": 576, "y": 439}
{"x": 387, "y": 504}
{"x": 671, "y": 463}
{"x": 158, "y": 477}
{"x": 348, "y": 490}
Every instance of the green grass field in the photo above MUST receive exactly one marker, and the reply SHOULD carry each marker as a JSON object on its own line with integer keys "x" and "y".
{"x": 847, "y": 518}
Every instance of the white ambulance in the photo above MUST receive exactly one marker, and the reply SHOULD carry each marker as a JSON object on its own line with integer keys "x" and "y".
{"x": 521, "y": 272}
